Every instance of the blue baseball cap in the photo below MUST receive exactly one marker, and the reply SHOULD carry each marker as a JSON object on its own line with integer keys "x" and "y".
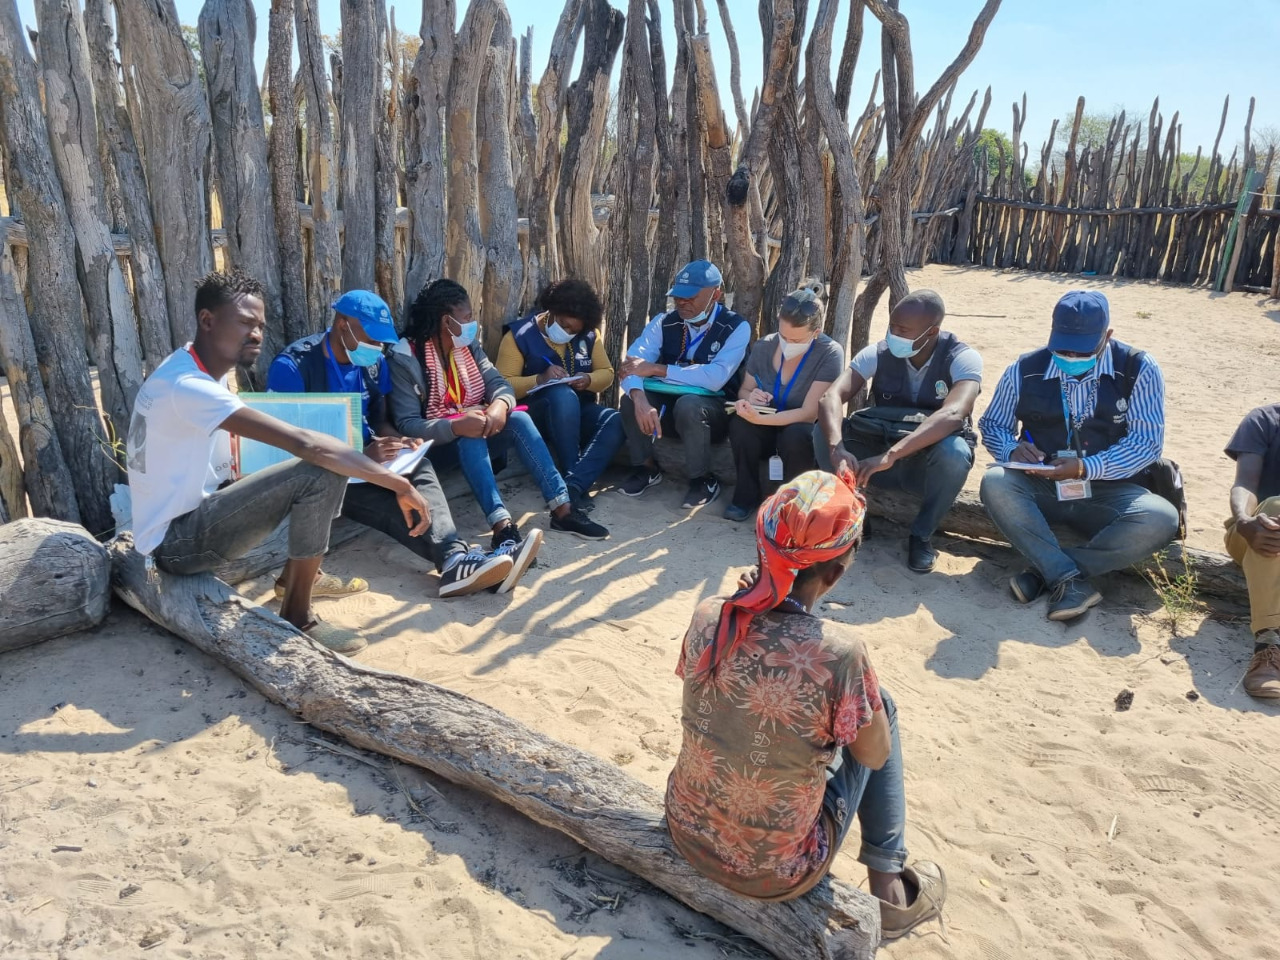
{"x": 1080, "y": 321}
{"x": 372, "y": 312}
{"x": 695, "y": 278}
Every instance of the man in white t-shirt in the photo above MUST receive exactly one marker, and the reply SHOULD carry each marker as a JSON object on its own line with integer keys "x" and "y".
{"x": 190, "y": 514}
{"x": 916, "y": 434}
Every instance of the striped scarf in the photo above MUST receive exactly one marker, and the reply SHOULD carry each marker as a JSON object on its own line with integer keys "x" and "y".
{"x": 451, "y": 387}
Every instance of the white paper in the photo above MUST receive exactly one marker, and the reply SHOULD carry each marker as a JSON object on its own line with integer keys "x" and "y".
{"x": 552, "y": 383}
{"x": 404, "y": 462}
{"x": 1024, "y": 466}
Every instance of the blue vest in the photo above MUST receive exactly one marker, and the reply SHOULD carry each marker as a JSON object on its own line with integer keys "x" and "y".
{"x": 539, "y": 355}
{"x": 1040, "y": 402}
{"x": 676, "y": 339}
{"x": 891, "y": 387}
{"x": 308, "y": 355}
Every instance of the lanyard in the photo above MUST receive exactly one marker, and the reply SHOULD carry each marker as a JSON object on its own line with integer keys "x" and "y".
{"x": 235, "y": 438}
{"x": 779, "y": 394}
{"x": 685, "y": 346}
{"x": 453, "y": 382}
{"x": 1073, "y": 423}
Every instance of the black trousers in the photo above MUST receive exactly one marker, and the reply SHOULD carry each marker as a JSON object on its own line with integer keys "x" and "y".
{"x": 754, "y": 444}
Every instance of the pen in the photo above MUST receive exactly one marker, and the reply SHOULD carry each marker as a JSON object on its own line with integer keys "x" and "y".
{"x": 661, "y": 413}
{"x": 1031, "y": 441}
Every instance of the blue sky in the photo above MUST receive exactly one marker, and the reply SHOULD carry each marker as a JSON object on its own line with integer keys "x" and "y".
{"x": 1113, "y": 53}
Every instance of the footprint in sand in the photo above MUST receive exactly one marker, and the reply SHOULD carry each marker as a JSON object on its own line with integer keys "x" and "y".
{"x": 386, "y": 882}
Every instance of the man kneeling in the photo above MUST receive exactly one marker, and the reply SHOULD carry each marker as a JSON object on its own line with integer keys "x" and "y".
{"x": 786, "y": 728}
{"x": 188, "y": 514}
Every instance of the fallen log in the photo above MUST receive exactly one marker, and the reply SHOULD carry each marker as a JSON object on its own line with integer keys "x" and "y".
{"x": 472, "y": 744}
{"x": 55, "y": 579}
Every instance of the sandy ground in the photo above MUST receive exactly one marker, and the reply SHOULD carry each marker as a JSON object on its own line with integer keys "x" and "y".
{"x": 211, "y": 824}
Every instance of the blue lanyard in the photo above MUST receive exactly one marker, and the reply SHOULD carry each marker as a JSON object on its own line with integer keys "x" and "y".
{"x": 684, "y": 354}
{"x": 1073, "y": 425}
{"x": 780, "y": 395}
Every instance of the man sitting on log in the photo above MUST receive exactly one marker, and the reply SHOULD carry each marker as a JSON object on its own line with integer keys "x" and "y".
{"x": 676, "y": 377}
{"x": 1072, "y": 427}
{"x": 1253, "y": 540}
{"x": 190, "y": 513}
{"x": 916, "y": 434}
{"x": 787, "y": 731}
{"x": 348, "y": 358}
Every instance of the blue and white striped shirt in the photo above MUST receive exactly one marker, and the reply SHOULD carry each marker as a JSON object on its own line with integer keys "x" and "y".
{"x": 1130, "y": 455}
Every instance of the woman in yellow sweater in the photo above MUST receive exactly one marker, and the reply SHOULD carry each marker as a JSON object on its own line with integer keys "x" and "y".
{"x": 557, "y": 364}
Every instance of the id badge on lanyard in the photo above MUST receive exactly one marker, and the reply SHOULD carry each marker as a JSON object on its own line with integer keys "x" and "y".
{"x": 1072, "y": 489}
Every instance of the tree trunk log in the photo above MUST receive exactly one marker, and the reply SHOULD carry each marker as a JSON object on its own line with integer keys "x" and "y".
{"x": 57, "y": 324}
{"x": 13, "y": 492}
{"x": 504, "y": 269}
{"x": 325, "y": 281}
{"x": 640, "y": 158}
{"x": 474, "y": 745}
{"x": 386, "y": 149}
{"x": 73, "y": 139}
{"x": 145, "y": 269}
{"x": 55, "y": 579}
{"x": 283, "y": 157}
{"x": 171, "y": 115}
{"x": 358, "y": 116}
{"x": 45, "y": 474}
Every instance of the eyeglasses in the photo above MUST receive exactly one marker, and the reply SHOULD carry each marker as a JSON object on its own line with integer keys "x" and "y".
{"x": 795, "y": 306}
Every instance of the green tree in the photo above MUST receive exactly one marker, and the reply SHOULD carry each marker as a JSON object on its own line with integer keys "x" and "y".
{"x": 992, "y": 141}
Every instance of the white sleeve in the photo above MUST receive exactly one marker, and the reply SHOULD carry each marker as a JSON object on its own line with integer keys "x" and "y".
{"x": 204, "y": 403}
{"x": 864, "y": 362}
{"x": 647, "y": 346}
{"x": 966, "y": 365}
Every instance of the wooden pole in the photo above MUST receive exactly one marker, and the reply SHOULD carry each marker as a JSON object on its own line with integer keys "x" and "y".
{"x": 359, "y": 162}
{"x": 472, "y": 744}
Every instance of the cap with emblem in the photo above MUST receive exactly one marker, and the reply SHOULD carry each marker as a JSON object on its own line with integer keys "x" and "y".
{"x": 1080, "y": 321}
{"x": 695, "y": 278}
{"x": 372, "y": 312}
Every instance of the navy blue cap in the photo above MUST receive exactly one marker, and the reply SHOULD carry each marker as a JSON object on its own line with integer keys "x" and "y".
{"x": 695, "y": 278}
{"x": 372, "y": 312}
{"x": 1080, "y": 321}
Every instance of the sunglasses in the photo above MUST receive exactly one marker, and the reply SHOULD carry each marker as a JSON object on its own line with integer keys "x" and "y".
{"x": 795, "y": 306}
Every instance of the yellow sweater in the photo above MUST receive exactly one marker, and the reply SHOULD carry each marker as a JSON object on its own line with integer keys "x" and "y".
{"x": 511, "y": 364}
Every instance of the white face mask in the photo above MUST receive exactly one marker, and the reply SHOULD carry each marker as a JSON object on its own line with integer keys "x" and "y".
{"x": 792, "y": 350}
{"x": 558, "y": 334}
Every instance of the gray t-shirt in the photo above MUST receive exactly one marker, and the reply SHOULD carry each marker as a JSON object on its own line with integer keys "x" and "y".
{"x": 1259, "y": 433}
{"x": 965, "y": 365}
{"x": 822, "y": 365}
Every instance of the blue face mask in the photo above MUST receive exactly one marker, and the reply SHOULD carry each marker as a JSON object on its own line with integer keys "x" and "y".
{"x": 1074, "y": 366}
{"x": 468, "y": 335}
{"x": 362, "y": 354}
{"x": 901, "y": 347}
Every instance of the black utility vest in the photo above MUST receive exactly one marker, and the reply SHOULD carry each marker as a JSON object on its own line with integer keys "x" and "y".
{"x": 1040, "y": 407}
{"x": 308, "y": 354}
{"x": 676, "y": 339}
{"x": 891, "y": 387}
{"x": 538, "y": 353}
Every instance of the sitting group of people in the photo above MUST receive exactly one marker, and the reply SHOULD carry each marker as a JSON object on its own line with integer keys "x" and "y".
{"x": 786, "y": 731}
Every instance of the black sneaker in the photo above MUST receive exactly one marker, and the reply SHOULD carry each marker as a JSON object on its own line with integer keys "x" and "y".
{"x": 579, "y": 500}
{"x": 701, "y": 492}
{"x": 475, "y": 570}
{"x": 522, "y": 550}
{"x": 1026, "y": 586}
{"x": 580, "y": 525}
{"x": 920, "y": 554}
{"x": 1071, "y": 598}
{"x": 641, "y": 479}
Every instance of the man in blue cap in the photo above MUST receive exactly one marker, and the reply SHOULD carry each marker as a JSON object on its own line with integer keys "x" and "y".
{"x": 1072, "y": 427}
{"x": 675, "y": 378}
{"x": 348, "y": 358}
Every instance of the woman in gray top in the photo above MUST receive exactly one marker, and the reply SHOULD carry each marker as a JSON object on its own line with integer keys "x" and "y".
{"x": 786, "y": 372}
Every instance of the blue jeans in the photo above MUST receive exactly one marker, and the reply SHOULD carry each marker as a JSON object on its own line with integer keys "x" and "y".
{"x": 472, "y": 455}
{"x": 878, "y": 796}
{"x": 936, "y": 474}
{"x": 1126, "y": 523}
{"x": 583, "y": 434}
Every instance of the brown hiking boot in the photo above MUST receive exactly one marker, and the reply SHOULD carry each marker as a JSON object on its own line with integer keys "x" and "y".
{"x": 1262, "y": 679}
{"x": 931, "y": 892}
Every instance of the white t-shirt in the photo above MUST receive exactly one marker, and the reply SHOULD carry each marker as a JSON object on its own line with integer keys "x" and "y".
{"x": 965, "y": 365}
{"x": 177, "y": 455}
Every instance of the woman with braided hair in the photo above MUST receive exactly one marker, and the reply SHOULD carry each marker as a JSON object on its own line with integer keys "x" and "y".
{"x": 444, "y": 389}
{"x": 786, "y": 728}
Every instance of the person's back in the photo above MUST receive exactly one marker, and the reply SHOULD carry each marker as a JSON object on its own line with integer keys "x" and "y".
{"x": 744, "y": 802}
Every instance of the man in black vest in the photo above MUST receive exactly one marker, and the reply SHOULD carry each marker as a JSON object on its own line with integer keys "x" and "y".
{"x": 676, "y": 377}
{"x": 916, "y": 434}
{"x": 348, "y": 358}
{"x": 1071, "y": 426}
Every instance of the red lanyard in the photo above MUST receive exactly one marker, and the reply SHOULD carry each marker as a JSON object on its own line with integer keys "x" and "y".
{"x": 235, "y": 438}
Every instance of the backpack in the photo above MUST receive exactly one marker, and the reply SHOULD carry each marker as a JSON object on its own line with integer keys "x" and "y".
{"x": 1164, "y": 477}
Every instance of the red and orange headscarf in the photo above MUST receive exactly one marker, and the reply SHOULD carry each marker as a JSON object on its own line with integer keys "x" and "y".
{"x": 815, "y": 517}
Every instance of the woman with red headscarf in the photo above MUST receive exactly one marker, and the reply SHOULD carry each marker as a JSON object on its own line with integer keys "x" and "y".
{"x": 786, "y": 729}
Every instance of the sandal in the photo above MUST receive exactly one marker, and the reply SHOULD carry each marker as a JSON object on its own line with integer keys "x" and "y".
{"x": 337, "y": 639}
{"x": 328, "y": 586}
{"x": 931, "y": 892}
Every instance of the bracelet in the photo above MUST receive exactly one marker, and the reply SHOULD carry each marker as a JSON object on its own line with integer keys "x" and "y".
{"x": 1083, "y": 471}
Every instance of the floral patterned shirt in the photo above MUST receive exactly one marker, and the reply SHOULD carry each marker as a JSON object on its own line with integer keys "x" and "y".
{"x": 744, "y": 802}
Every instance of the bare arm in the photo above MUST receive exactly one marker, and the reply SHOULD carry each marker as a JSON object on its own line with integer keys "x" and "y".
{"x": 871, "y": 748}
{"x": 805, "y": 413}
{"x": 1261, "y": 532}
{"x": 831, "y": 407}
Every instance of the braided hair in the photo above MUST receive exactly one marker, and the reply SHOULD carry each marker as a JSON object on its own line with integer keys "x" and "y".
{"x": 426, "y": 315}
